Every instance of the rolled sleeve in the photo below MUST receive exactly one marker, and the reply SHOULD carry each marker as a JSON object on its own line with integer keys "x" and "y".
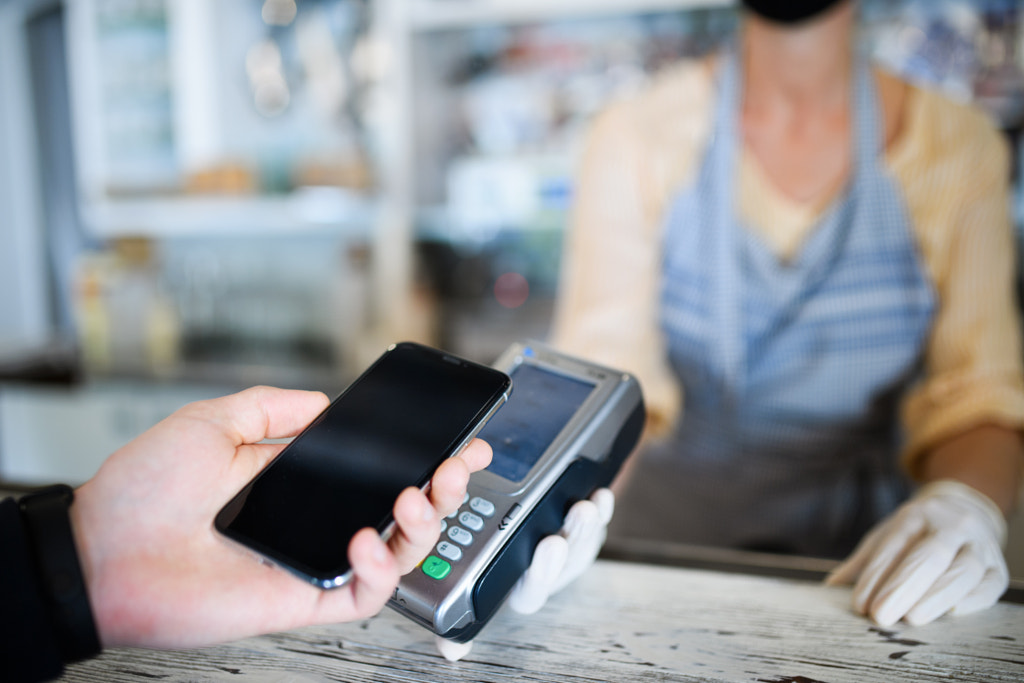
{"x": 608, "y": 294}
{"x": 974, "y": 372}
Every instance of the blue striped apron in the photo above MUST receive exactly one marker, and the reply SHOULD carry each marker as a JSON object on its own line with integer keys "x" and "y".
{"x": 792, "y": 371}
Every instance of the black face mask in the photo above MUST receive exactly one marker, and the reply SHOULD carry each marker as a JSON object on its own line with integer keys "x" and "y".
{"x": 788, "y": 11}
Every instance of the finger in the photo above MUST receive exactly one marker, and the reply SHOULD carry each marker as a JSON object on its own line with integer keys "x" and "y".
{"x": 964, "y": 574}
{"x": 375, "y": 575}
{"x": 905, "y": 585}
{"x": 448, "y": 486}
{"x": 585, "y": 534}
{"x": 417, "y": 529}
{"x": 451, "y": 650}
{"x": 848, "y": 571}
{"x": 988, "y": 591}
{"x": 604, "y": 499}
{"x": 893, "y": 545}
{"x": 261, "y": 412}
{"x": 534, "y": 586}
{"x": 477, "y": 455}
{"x": 581, "y": 522}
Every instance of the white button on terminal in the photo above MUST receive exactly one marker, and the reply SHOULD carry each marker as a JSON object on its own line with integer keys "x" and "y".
{"x": 481, "y": 506}
{"x": 460, "y": 535}
{"x": 474, "y": 522}
{"x": 449, "y": 551}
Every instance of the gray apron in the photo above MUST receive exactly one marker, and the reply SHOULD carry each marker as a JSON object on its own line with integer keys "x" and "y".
{"x": 792, "y": 371}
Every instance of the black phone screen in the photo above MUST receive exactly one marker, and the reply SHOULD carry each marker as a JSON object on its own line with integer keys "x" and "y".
{"x": 389, "y": 430}
{"x": 544, "y": 403}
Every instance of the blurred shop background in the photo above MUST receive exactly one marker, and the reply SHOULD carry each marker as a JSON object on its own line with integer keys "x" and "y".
{"x": 201, "y": 195}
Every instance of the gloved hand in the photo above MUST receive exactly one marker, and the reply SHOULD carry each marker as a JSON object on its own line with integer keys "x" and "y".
{"x": 940, "y": 552}
{"x": 558, "y": 560}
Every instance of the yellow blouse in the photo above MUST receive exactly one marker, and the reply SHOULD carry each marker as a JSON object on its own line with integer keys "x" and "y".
{"x": 953, "y": 168}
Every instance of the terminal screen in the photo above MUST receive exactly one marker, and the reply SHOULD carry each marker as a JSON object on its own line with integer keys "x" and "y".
{"x": 541, "y": 404}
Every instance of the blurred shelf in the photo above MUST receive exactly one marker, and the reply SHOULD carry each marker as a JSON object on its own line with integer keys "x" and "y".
{"x": 308, "y": 211}
{"x": 235, "y": 376}
{"x": 434, "y": 15}
{"x": 95, "y": 418}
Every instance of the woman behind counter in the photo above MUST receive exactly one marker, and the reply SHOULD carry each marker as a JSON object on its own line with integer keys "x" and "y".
{"x": 808, "y": 263}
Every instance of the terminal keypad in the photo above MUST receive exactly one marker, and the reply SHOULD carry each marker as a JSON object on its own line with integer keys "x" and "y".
{"x": 457, "y": 531}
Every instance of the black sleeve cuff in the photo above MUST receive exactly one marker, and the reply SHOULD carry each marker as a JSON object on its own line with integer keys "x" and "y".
{"x": 41, "y": 581}
{"x": 28, "y": 644}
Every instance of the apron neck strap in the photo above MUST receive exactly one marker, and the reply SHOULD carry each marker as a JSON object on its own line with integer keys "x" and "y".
{"x": 721, "y": 161}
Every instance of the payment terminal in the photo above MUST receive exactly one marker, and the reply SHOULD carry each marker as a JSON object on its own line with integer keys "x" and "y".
{"x": 564, "y": 432}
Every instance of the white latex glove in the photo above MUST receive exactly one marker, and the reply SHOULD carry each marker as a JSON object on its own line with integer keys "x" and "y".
{"x": 558, "y": 560}
{"x": 940, "y": 552}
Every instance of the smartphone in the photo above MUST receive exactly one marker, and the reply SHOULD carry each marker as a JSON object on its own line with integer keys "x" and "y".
{"x": 390, "y": 429}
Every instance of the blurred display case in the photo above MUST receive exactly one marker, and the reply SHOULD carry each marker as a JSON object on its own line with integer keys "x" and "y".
{"x": 194, "y": 116}
{"x": 412, "y": 159}
{"x": 233, "y": 140}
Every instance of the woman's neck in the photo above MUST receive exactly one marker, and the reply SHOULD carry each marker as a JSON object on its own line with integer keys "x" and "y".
{"x": 808, "y": 65}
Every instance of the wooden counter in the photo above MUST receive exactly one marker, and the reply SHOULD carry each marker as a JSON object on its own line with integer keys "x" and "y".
{"x": 622, "y": 622}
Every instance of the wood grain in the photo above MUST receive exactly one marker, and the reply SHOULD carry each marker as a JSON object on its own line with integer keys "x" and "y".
{"x": 622, "y": 622}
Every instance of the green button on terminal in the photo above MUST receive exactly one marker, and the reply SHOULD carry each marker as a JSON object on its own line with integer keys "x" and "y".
{"x": 436, "y": 568}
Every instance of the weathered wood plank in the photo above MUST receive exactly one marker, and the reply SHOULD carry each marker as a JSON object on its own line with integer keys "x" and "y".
{"x": 622, "y": 622}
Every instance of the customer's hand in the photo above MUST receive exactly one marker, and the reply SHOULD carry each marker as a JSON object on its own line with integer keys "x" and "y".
{"x": 940, "y": 552}
{"x": 159, "y": 575}
{"x": 558, "y": 560}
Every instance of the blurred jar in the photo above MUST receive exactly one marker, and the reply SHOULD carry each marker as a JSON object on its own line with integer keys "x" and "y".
{"x": 127, "y": 324}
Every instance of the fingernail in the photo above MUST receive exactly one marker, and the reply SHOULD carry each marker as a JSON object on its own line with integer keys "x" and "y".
{"x": 380, "y": 552}
{"x": 427, "y": 511}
